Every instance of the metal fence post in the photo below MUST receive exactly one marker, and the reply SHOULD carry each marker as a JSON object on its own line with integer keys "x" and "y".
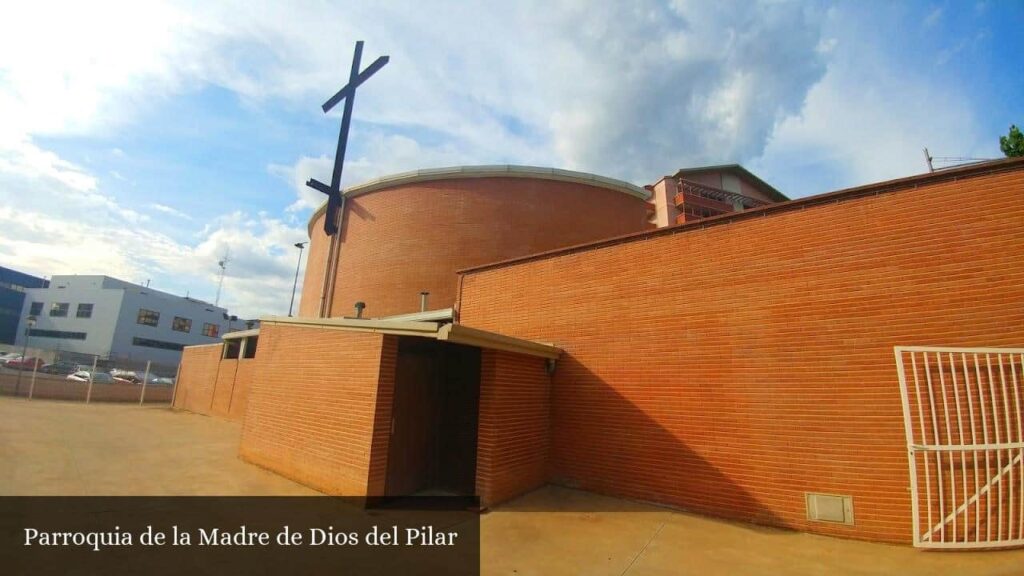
{"x": 88, "y": 393}
{"x": 142, "y": 397}
{"x": 174, "y": 392}
{"x": 32, "y": 387}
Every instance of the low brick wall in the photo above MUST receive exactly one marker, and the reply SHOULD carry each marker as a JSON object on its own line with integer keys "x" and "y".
{"x": 312, "y": 408}
{"x": 197, "y": 376}
{"x": 212, "y": 386}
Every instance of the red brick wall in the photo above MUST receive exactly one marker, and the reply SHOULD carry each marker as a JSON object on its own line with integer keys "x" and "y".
{"x": 230, "y": 396}
{"x": 312, "y": 406}
{"x": 240, "y": 390}
{"x": 316, "y": 262}
{"x": 211, "y": 386}
{"x": 223, "y": 388}
{"x": 402, "y": 240}
{"x": 377, "y": 482}
{"x": 196, "y": 377}
{"x": 513, "y": 438}
{"x": 730, "y": 369}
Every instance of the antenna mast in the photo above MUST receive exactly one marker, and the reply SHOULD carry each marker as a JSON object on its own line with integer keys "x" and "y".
{"x": 223, "y": 263}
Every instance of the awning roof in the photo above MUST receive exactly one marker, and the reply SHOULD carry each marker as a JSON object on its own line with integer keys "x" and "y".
{"x": 442, "y": 315}
{"x": 454, "y": 333}
{"x": 241, "y": 334}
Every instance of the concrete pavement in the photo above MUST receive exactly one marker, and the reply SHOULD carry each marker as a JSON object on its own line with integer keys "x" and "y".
{"x": 64, "y": 448}
{"x": 50, "y": 448}
{"x": 558, "y": 531}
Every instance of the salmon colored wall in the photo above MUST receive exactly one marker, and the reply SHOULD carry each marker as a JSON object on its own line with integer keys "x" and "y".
{"x": 313, "y": 277}
{"x": 514, "y": 432}
{"x": 196, "y": 377}
{"x": 224, "y": 388}
{"x": 312, "y": 406}
{"x": 240, "y": 388}
{"x": 409, "y": 238}
{"x": 377, "y": 482}
{"x": 212, "y": 386}
{"x": 730, "y": 368}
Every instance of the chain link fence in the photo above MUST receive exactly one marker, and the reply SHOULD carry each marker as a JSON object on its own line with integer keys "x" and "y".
{"x": 77, "y": 377}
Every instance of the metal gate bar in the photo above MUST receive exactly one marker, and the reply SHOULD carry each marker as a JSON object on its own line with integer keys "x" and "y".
{"x": 964, "y": 426}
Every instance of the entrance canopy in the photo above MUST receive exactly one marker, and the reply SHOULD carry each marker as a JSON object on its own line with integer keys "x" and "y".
{"x": 445, "y": 332}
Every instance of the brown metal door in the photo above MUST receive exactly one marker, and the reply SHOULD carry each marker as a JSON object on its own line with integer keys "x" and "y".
{"x": 411, "y": 450}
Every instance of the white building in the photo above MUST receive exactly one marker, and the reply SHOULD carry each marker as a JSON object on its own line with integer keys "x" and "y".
{"x": 104, "y": 316}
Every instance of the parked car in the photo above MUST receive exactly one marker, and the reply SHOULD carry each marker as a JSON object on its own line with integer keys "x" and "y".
{"x": 127, "y": 375}
{"x": 24, "y": 364}
{"x": 152, "y": 380}
{"x": 162, "y": 381}
{"x": 60, "y": 368}
{"x": 9, "y": 356}
{"x": 97, "y": 377}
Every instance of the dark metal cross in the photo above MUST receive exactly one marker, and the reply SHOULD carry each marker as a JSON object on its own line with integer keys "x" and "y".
{"x": 335, "y": 201}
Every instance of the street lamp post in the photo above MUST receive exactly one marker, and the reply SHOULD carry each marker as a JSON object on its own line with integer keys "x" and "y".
{"x": 300, "y": 246}
{"x": 29, "y": 323}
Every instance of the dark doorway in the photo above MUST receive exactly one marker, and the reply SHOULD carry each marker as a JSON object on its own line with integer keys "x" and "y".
{"x": 434, "y": 419}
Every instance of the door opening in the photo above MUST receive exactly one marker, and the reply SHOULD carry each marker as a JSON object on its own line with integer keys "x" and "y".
{"x": 432, "y": 449}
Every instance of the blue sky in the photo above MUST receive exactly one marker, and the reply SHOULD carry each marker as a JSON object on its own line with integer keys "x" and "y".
{"x": 144, "y": 139}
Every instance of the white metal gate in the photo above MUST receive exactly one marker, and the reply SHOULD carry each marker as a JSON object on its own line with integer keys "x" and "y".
{"x": 965, "y": 444}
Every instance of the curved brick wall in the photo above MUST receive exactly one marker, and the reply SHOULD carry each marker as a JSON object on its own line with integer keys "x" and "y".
{"x": 412, "y": 237}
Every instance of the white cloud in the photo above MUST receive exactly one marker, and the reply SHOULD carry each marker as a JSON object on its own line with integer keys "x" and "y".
{"x": 383, "y": 155}
{"x": 261, "y": 266}
{"x": 24, "y": 158}
{"x": 98, "y": 62}
{"x": 869, "y": 120}
{"x": 298, "y": 174}
{"x": 933, "y": 17}
{"x": 631, "y": 90}
{"x": 627, "y": 90}
{"x": 48, "y": 226}
{"x": 171, "y": 211}
{"x": 643, "y": 89}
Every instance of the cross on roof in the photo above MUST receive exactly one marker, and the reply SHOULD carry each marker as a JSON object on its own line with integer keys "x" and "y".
{"x": 348, "y": 93}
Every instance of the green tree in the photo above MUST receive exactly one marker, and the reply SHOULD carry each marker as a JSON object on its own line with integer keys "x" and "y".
{"x": 1013, "y": 144}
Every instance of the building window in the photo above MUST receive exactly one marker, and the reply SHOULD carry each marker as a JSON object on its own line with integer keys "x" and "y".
{"x": 232, "y": 348}
{"x": 148, "y": 317}
{"x": 148, "y": 343}
{"x": 59, "y": 309}
{"x": 36, "y": 309}
{"x": 56, "y": 334}
{"x": 211, "y": 330}
{"x": 250, "y": 346}
{"x": 181, "y": 324}
{"x": 84, "y": 311}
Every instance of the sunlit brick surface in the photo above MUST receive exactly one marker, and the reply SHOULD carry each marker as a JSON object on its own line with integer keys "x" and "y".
{"x": 730, "y": 369}
{"x": 312, "y": 406}
{"x": 514, "y": 433}
{"x": 197, "y": 378}
{"x": 410, "y": 238}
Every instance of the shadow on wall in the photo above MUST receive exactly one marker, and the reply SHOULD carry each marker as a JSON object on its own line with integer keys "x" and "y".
{"x": 611, "y": 446}
{"x": 357, "y": 209}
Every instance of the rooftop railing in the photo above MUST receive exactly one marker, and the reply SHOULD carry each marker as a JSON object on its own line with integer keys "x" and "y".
{"x": 712, "y": 193}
